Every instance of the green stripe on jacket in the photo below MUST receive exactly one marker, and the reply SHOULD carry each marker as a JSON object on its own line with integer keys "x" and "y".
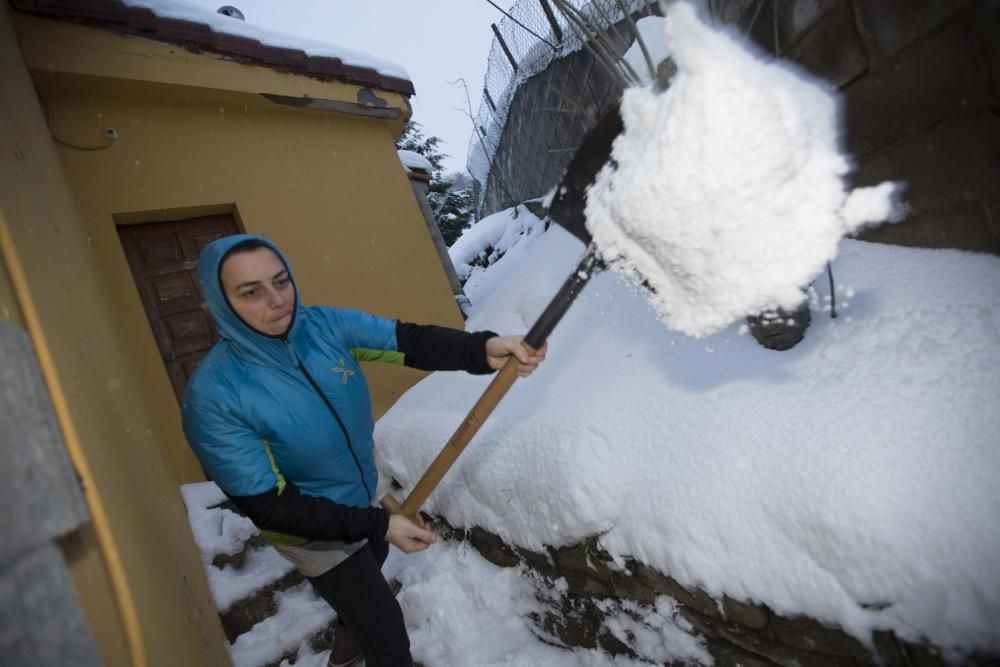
{"x": 387, "y": 356}
{"x": 270, "y": 535}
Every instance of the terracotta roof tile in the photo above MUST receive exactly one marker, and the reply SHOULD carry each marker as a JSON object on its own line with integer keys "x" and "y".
{"x": 241, "y": 46}
{"x": 322, "y": 64}
{"x": 178, "y": 30}
{"x": 113, "y": 14}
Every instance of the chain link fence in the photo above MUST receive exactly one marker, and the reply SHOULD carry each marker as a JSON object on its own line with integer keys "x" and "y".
{"x": 532, "y": 35}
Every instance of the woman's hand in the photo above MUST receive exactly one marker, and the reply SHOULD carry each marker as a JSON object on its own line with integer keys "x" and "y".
{"x": 500, "y": 348}
{"x": 409, "y": 535}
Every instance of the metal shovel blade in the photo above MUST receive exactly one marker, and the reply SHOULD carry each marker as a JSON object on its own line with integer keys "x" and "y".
{"x": 567, "y": 208}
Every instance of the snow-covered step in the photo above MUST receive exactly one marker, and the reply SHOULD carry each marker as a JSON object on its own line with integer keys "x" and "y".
{"x": 245, "y": 614}
{"x": 298, "y": 617}
{"x": 270, "y": 614}
{"x": 237, "y": 560}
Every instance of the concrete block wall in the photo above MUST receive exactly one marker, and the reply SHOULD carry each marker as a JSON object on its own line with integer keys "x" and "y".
{"x": 40, "y": 615}
{"x": 919, "y": 81}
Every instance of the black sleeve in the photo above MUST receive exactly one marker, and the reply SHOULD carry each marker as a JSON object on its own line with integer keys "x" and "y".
{"x": 294, "y": 513}
{"x": 433, "y": 348}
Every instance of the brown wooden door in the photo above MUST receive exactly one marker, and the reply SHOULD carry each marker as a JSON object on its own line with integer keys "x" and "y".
{"x": 163, "y": 257}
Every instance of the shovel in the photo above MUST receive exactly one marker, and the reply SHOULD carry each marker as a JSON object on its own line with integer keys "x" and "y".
{"x": 567, "y": 209}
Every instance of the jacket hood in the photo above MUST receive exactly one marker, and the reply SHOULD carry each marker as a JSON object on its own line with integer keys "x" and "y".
{"x": 246, "y": 341}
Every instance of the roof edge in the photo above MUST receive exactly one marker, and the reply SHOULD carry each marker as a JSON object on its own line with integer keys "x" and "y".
{"x": 115, "y": 16}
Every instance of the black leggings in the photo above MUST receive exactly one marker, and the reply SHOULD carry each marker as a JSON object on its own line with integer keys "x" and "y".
{"x": 363, "y": 600}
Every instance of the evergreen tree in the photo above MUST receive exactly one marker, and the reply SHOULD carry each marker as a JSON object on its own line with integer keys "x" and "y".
{"x": 450, "y": 196}
{"x": 453, "y": 205}
{"x": 413, "y": 139}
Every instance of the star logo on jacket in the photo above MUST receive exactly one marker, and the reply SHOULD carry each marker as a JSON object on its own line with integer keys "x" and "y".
{"x": 345, "y": 373}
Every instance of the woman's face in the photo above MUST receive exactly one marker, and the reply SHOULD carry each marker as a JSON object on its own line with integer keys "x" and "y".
{"x": 260, "y": 290}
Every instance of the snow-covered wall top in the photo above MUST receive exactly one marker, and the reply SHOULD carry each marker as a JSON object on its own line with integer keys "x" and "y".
{"x": 414, "y": 160}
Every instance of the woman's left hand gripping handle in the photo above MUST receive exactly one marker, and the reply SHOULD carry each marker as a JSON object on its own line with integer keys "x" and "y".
{"x": 408, "y": 534}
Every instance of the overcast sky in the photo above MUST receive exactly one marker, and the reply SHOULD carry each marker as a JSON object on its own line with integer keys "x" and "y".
{"x": 436, "y": 41}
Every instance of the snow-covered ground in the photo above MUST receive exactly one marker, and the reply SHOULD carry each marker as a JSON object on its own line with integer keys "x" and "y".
{"x": 852, "y": 478}
{"x": 460, "y": 609}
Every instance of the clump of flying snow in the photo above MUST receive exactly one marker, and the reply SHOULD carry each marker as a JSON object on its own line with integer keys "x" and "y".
{"x": 728, "y": 193}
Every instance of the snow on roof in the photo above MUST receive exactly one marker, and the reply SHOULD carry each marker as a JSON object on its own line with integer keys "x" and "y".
{"x": 414, "y": 160}
{"x": 180, "y": 21}
{"x": 851, "y": 479}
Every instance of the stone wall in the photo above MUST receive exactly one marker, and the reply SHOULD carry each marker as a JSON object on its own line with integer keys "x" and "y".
{"x": 919, "y": 79}
{"x": 733, "y": 632}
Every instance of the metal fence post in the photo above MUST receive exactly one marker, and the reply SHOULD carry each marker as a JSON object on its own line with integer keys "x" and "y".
{"x": 556, "y": 30}
{"x": 503, "y": 45}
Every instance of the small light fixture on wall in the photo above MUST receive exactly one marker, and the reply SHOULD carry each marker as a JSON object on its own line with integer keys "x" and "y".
{"x": 109, "y": 134}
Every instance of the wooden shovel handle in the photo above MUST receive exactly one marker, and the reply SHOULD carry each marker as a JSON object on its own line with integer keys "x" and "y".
{"x": 539, "y": 332}
{"x": 463, "y": 434}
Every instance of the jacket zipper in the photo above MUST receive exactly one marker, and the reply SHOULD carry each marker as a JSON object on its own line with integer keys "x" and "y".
{"x": 350, "y": 446}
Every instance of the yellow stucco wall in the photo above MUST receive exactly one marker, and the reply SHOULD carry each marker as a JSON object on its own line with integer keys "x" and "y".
{"x": 82, "y": 552}
{"x": 9, "y": 308}
{"x": 327, "y": 187}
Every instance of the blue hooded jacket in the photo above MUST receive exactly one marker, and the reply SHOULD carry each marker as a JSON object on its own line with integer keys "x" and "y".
{"x": 254, "y": 412}
{"x": 263, "y": 413}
